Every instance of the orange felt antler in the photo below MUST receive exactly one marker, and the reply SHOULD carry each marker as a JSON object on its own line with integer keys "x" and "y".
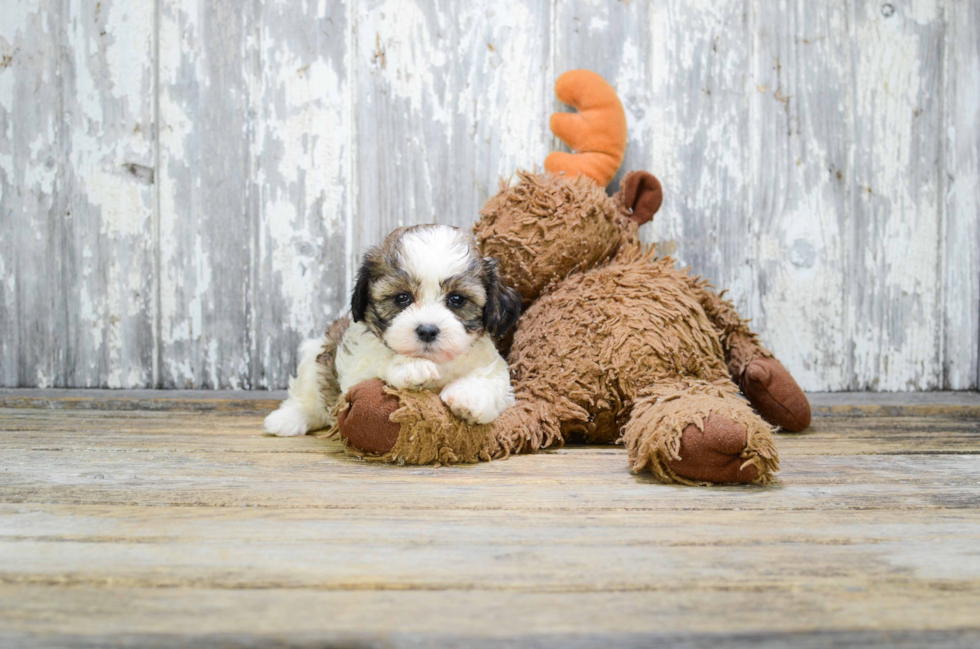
{"x": 596, "y": 133}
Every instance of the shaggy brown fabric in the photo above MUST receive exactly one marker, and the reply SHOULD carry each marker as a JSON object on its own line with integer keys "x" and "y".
{"x": 616, "y": 344}
{"x": 592, "y": 349}
{"x": 597, "y": 340}
{"x": 406, "y": 427}
{"x": 740, "y": 343}
{"x": 659, "y": 439}
{"x": 544, "y": 227}
{"x": 777, "y": 397}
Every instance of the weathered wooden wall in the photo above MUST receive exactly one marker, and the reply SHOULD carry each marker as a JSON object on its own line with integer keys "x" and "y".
{"x": 185, "y": 185}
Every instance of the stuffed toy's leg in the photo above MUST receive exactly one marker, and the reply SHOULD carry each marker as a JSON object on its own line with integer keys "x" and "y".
{"x": 763, "y": 380}
{"x": 698, "y": 432}
{"x": 526, "y": 427}
{"x": 380, "y": 423}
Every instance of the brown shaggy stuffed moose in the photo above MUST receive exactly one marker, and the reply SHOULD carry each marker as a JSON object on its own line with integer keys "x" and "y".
{"x": 614, "y": 343}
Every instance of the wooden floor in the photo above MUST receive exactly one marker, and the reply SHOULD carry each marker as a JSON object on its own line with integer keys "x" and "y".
{"x": 179, "y": 522}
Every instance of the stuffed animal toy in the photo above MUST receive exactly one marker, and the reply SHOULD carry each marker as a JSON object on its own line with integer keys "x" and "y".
{"x": 614, "y": 344}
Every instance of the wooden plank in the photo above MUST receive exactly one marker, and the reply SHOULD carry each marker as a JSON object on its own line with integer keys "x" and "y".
{"x": 892, "y": 400}
{"x": 175, "y": 477}
{"x": 894, "y": 284}
{"x": 405, "y": 56}
{"x": 207, "y": 217}
{"x": 851, "y": 404}
{"x": 517, "y": 551}
{"x": 201, "y": 433}
{"x": 613, "y": 39}
{"x": 112, "y": 521}
{"x": 144, "y": 400}
{"x": 299, "y": 182}
{"x": 76, "y": 183}
{"x": 450, "y": 98}
{"x": 961, "y": 78}
{"x": 502, "y": 78}
{"x": 111, "y": 158}
{"x": 699, "y": 58}
{"x": 800, "y": 148}
{"x": 873, "y": 617}
{"x": 218, "y": 431}
{"x": 33, "y": 189}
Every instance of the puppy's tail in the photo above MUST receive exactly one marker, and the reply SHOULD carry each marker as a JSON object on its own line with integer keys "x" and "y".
{"x": 326, "y": 362}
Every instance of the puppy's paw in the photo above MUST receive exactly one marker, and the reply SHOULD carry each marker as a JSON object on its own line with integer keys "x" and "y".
{"x": 470, "y": 403}
{"x": 413, "y": 375}
{"x": 288, "y": 421}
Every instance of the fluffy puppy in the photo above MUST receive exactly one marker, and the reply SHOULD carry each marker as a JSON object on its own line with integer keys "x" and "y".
{"x": 425, "y": 310}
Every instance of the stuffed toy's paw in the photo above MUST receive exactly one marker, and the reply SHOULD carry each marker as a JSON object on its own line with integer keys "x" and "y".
{"x": 365, "y": 424}
{"x": 715, "y": 453}
{"x": 380, "y": 423}
{"x": 775, "y": 395}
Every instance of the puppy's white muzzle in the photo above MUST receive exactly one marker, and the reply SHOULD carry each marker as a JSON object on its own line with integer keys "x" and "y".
{"x": 429, "y": 331}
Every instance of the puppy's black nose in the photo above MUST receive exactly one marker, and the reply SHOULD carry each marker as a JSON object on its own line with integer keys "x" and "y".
{"x": 427, "y": 333}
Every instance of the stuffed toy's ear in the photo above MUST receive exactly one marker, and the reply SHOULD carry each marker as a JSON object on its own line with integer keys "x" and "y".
{"x": 641, "y": 194}
{"x": 503, "y": 305}
{"x": 596, "y": 133}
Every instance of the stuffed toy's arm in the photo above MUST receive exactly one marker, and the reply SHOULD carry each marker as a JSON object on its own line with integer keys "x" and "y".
{"x": 763, "y": 380}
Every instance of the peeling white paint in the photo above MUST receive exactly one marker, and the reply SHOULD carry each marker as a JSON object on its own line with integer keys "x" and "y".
{"x": 502, "y": 99}
{"x": 896, "y": 342}
{"x": 317, "y": 147}
{"x": 409, "y": 49}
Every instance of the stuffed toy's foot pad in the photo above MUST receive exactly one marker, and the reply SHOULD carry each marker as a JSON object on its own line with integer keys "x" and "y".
{"x": 775, "y": 395}
{"x": 714, "y": 454}
{"x": 366, "y": 423}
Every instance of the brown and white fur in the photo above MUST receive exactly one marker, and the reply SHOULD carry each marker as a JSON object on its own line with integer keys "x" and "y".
{"x": 425, "y": 309}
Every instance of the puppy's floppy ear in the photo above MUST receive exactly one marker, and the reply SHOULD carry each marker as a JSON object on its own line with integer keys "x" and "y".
{"x": 361, "y": 296}
{"x": 503, "y": 305}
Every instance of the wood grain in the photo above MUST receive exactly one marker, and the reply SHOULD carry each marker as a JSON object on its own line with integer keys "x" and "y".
{"x": 895, "y": 312}
{"x": 205, "y": 160}
{"x": 186, "y": 187}
{"x": 450, "y": 99}
{"x": 113, "y": 524}
{"x": 700, "y": 54}
{"x": 799, "y": 199}
{"x": 613, "y": 39}
{"x": 76, "y": 189}
{"x": 301, "y": 184}
{"x": 961, "y": 283}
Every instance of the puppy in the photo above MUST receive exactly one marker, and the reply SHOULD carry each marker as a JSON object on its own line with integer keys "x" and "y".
{"x": 425, "y": 309}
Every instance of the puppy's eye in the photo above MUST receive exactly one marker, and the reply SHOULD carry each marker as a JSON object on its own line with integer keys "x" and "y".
{"x": 403, "y": 299}
{"x": 456, "y": 300}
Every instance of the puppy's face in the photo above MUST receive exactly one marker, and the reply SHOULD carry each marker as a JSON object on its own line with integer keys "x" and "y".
{"x": 427, "y": 292}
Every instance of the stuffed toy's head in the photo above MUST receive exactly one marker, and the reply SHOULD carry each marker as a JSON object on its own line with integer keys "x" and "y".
{"x": 547, "y": 225}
